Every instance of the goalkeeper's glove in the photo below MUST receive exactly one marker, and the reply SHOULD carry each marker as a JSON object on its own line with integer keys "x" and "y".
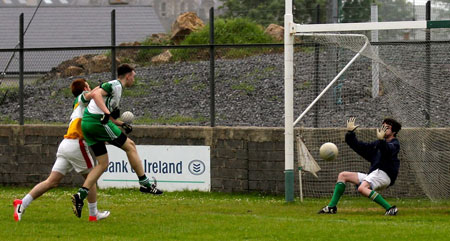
{"x": 381, "y": 132}
{"x": 127, "y": 127}
{"x": 115, "y": 113}
{"x": 351, "y": 124}
{"x": 105, "y": 118}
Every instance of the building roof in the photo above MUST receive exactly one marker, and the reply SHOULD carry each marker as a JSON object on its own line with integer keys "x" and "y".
{"x": 77, "y": 26}
{"x": 73, "y": 26}
{"x": 22, "y": 3}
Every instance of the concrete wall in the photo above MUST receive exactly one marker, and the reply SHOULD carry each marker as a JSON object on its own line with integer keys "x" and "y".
{"x": 243, "y": 159}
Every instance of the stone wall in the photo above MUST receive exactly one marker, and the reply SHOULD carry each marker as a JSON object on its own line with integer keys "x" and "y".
{"x": 243, "y": 159}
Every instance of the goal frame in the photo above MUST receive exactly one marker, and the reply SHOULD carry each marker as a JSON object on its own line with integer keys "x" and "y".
{"x": 290, "y": 30}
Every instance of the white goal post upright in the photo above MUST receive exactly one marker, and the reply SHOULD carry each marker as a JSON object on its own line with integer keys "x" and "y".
{"x": 288, "y": 103}
{"x": 290, "y": 30}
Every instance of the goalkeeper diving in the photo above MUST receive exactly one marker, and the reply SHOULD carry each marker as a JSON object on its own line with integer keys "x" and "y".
{"x": 384, "y": 166}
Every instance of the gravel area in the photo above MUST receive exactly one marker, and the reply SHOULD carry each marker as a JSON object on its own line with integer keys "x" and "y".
{"x": 249, "y": 92}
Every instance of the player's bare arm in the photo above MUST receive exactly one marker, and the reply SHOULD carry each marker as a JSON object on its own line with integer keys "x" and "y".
{"x": 88, "y": 94}
{"x": 116, "y": 122}
{"x": 97, "y": 96}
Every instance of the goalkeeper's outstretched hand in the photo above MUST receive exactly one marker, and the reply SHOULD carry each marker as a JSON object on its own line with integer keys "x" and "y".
{"x": 127, "y": 127}
{"x": 351, "y": 124}
{"x": 381, "y": 132}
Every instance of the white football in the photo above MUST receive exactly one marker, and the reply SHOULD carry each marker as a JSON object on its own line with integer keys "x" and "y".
{"x": 127, "y": 117}
{"x": 328, "y": 151}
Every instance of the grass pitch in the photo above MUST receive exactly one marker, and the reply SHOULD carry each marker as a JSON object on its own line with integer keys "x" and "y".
{"x": 219, "y": 216}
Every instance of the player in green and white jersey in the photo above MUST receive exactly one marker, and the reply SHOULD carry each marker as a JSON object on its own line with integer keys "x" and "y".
{"x": 98, "y": 128}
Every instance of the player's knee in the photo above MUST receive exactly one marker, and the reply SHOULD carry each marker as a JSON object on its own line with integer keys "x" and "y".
{"x": 342, "y": 176}
{"x": 103, "y": 161}
{"x": 103, "y": 165}
{"x": 363, "y": 187}
{"x": 130, "y": 145}
{"x": 360, "y": 189}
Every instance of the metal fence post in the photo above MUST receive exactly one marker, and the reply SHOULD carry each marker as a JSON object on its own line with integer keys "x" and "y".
{"x": 316, "y": 70}
{"x": 212, "y": 85}
{"x": 21, "y": 63}
{"x": 113, "y": 44}
{"x": 428, "y": 66}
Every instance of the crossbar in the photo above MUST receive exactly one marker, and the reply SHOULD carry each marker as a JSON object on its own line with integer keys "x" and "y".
{"x": 341, "y": 27}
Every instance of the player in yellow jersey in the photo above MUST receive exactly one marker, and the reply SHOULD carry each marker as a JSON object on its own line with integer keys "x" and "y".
{"x": 72, "y": 154}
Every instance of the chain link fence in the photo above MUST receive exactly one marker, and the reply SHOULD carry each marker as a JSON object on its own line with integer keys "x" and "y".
{"x": 246, "y": 80}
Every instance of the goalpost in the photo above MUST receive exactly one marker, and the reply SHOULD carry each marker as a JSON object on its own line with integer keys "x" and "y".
{"x": 403, "y": 94}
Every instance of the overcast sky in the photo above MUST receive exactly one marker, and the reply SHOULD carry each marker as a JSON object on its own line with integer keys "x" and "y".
{"x": 419, "y": 2}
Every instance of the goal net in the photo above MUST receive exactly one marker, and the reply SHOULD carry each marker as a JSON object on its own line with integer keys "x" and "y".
{"x": 407, "y": 81}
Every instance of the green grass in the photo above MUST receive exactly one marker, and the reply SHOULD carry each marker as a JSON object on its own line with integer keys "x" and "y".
{"x": 218, "y": 216}
{"x": 303, "y": 85}
{"x": 5, "y": 120}
{"x": 7, "y": 92}
{"x": 169, "y": 120}
{"x": 246, "y": 88}
{"x": 41, "y": 122}
{"x": 177, "y": 80}
{"x": 139, "y": 89}
{"x": 4, "y": 88}
{"x": 66, "y": 92}
{"x": 199, "y": 86}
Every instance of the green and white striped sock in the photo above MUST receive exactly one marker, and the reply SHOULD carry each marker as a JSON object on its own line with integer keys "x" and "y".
{"x": 376, "y": 197}
{"x": 144, "y": 181}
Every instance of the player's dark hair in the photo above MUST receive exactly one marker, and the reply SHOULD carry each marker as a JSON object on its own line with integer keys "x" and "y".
{"x": 78, "y": 86}
{"x": 396, "y": 127}
{"x": 124, "y": 69}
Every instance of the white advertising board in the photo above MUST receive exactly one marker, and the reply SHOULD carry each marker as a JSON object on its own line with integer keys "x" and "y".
{"x": 175, "y": 168}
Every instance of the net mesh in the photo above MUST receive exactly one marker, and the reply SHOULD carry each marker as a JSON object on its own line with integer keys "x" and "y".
{"x": 406, "y": 81}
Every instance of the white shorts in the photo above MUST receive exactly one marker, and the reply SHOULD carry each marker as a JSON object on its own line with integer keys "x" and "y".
{"x": 73, "y": 154}
{"x": 377, "y": 179}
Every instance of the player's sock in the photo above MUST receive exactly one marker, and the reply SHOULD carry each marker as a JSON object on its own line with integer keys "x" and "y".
{"x": 338, "y": 191}
{"x": 26, "y": 201}
{"x": 144, "y": 181}
{"x": 83, "y": 192}
{"x": 376, "y": 197}
{"x": 92, "y": 209}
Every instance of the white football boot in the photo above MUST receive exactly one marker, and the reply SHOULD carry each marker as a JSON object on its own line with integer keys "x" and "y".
{"x": 99, "y": 216}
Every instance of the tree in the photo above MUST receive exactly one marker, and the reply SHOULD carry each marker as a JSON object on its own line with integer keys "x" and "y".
{"x": 398, "y": 10}
{"x": 440, "y": 10}
{"x": 356, "y": 11}
{"x": 272, "y": 11}
{"x": 388, "y": 10}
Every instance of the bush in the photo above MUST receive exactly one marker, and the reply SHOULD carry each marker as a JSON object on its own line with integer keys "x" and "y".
{"x": 226, "y": 31}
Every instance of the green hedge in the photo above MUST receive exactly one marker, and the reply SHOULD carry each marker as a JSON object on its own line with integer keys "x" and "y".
{"x": 226, "y": 31}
